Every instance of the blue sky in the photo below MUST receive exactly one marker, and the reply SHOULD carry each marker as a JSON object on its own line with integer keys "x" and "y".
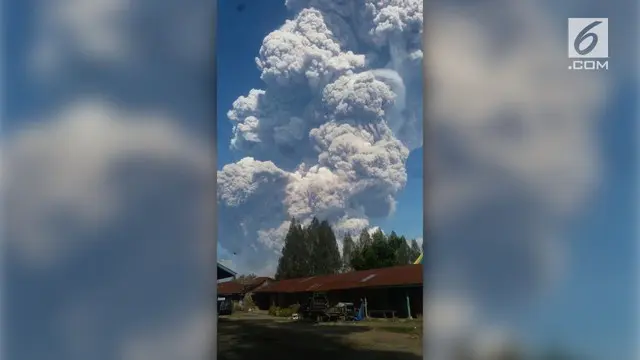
{"x": 237, "y": 72}
{"x": 595, "y": 308}
{"x": 237, "y": 47}
{"x": 24, "y": 95}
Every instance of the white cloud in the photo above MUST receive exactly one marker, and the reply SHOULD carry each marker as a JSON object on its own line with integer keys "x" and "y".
{"x": 226, "y": 262}
{"x": 308, "y": 51}
{"x": 455, "y": 321}
{"x": 418, "y": 240}
{"x": 452, "y": 316}
{"x": 118, "y": 36}
{"x": 96, "y": 28}
{"x": 187, "y": 338}
{"x": 63, "y": 174}
{"x": 515, "y": 110}
{"x": 372, "y": 230}
{"x": 102, "y": 202}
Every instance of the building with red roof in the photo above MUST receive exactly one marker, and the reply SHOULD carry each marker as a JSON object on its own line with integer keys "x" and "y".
{"x": 393, "y": 290}
{"x": 237, "y": 289}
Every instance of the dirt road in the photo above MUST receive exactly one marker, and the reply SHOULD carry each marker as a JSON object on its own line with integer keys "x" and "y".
{"x": 254, "y": 336}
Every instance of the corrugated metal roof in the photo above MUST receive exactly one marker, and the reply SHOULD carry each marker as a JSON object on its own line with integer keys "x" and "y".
{"x": 234, "y": 287}
{"x": 391, "y": 276}
{"x": 224, "y": 272}
{"x": 230, "y": 287}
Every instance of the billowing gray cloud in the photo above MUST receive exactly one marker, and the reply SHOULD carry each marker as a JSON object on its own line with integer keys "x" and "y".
{"x": 310, "y": 50}
{"x": 330, "y": 133}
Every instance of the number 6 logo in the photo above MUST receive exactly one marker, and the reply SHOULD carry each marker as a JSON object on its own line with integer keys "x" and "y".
{"x": 588, "y": 38}
{"x": 584, "y": 35}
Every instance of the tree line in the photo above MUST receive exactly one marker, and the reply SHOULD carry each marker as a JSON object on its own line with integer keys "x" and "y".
{"x": 313, "y": 250}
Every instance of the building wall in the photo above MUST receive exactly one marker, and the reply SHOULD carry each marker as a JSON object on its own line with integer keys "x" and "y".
{"x": 234, "y": 297}
{"x": 394, "y": 298}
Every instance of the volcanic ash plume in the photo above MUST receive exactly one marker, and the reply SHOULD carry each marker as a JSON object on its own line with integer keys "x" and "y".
{"x": 331, "y": 131}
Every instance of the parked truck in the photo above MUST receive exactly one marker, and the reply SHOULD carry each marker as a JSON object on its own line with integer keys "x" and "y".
{"x": 319, "y": 309}
{"x": 225, "y": 306}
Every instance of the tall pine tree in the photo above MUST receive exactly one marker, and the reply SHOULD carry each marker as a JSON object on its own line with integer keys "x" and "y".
{"x": 404, "y": 253}
{"x": 313, "y": 250}
{"x": 347, "y": 251}
{"x": 326, "y": 254}
{"x": 312, "y": 240}
{"x": 377, "y": 251}
{"x": 294, "y": 261}
{"x": 385, "y": 255}
{"x": 400, "y": 248}
{"x": 361, "y": 251}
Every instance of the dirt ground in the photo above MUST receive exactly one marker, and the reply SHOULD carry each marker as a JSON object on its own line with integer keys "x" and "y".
{"x": 258, "y": 336}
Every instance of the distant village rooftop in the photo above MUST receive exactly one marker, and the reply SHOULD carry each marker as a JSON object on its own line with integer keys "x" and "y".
{"x": 237, "y": 287}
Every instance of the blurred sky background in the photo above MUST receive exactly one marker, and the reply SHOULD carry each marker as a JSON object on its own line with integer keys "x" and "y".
{"x": 593, "y": 309}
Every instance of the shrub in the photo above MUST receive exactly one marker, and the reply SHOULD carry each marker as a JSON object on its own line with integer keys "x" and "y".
{"x": 248, "y": 302}
{"x": 286, "y": 312}
{"x": 281, "y": 312}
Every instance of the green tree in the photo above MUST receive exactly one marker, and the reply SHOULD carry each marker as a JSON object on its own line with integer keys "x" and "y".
{"x": 384, "y": 253}
{"x": 404, "y": 253}
{"x": 325, "y": 253}
{"x": 378, "y": 236}
{"x": 372, "y": 251}
{"x": 347, "y": 250}
{"x": 365, "y": 238}
{"x": 312, "y": 240}
{"x": 377, "y": 251}
{"x": 361, "y": 252}
{"x": 308, "y": 251}
{"x": 294, "y": 261}
{"x": 394, "y": 240}
{"x": 401, "y": 249}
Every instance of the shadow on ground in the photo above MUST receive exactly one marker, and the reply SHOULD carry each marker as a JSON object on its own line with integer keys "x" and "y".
{"x": 249, "y": 339}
